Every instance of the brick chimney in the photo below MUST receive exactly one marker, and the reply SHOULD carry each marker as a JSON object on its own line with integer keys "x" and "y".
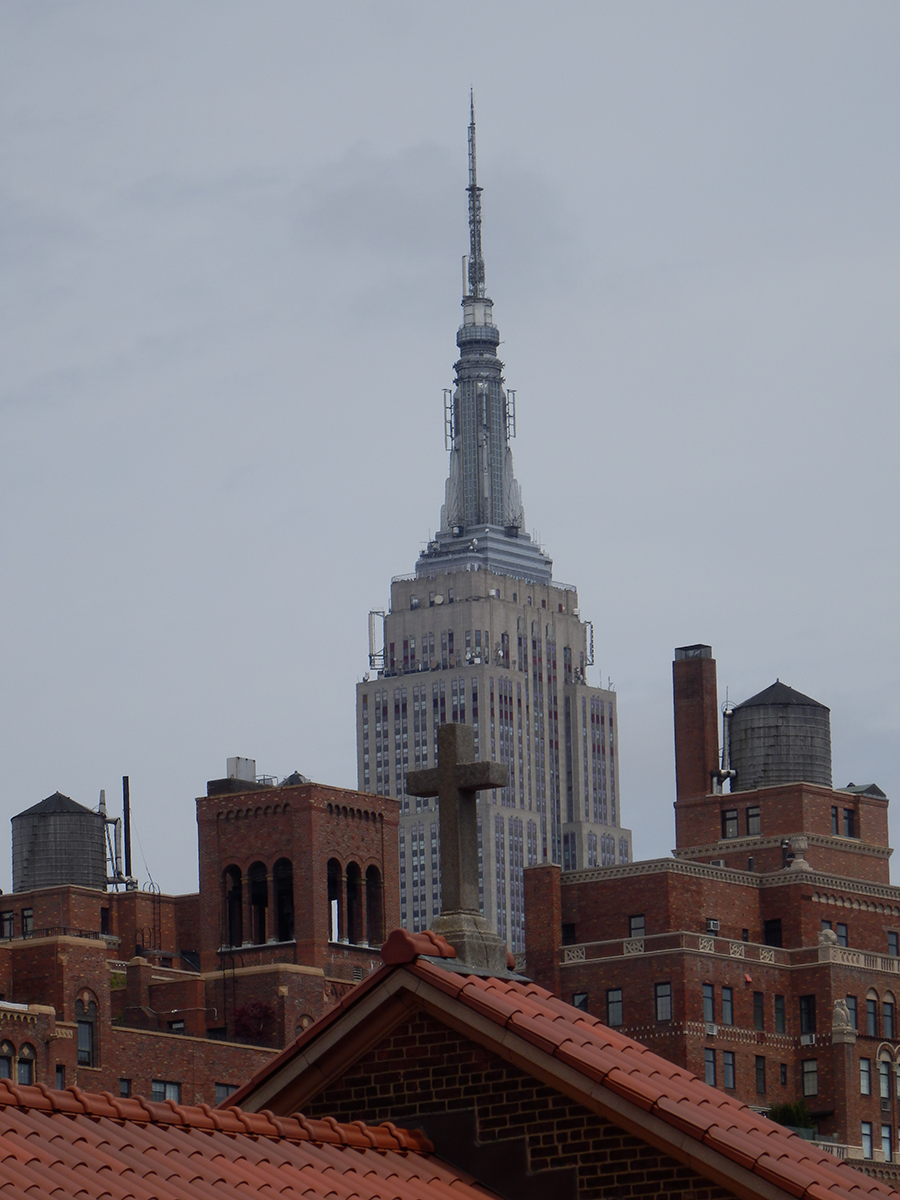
{"x": 696, "y": 721}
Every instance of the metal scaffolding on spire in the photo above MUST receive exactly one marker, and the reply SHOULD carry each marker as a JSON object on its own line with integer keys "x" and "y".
{"x": 476, "y": 262}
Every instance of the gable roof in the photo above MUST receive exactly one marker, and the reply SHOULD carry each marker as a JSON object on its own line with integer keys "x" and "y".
{"x": 607, "y": 1072}
{"x": 72, "y": 1143}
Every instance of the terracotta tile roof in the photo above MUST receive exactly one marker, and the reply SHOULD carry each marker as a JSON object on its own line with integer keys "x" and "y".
{"x": 603, "y": 1056}
{"x": 669, "y": 1092}
{"x": 73, "y": 1144}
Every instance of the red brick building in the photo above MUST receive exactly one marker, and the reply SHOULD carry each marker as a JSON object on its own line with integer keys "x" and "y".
{"x": 185, "y": 996}
{"x": 764, "y": 955}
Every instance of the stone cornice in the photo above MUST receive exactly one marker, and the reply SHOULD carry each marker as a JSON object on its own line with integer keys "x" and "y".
{"x": 785, "y": 878}
{"x": 729, "y": 845}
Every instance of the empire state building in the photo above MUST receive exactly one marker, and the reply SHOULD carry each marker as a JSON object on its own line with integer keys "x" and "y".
{"x": 483, "y": 635}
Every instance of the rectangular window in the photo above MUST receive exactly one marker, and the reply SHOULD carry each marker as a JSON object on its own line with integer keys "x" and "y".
{"x": 807, "y": 1014}
{"x": 851, "y": 1009}
{"x": 710, "y": 1065}
{"x": 867, "y": 1139}
{"x": 760, "y": 1075}
{"x": 27, "y": 922}
{"x": 772, "y": 932}
{"x": 753, "y": 821}
{"x": 887, "y": 1020}
{"x": 759, "y": 1011}
{"x": 871, "y": 1018}
{"x": 727, "y": 1006}
{"x": 865, "y": 1077}
{"x": 7, "y": 924}
{"x": 834, "y": 820}
{"x": 809, "y": 1069}
{"x": 580, "y": 1000}
{"x": 729, "y": 823}
{"x": 893, "y": 943}
{"x": 782, "y": 1071}
{"x": 884, "y": 1080}
{"x": 841, "y": 931}
{"x": 728, "y": 1069}
{"x": 60, "y": 1076}
{"x": 25, "y": 1071}
{"x": 125, "y": 1087}
{"x": 886, "y": 1142}
{"x": 165, "y": 1089}
{"x": 709, "y": 1003}
{"x": 779, "y": 1014}
{"x": 224, "y": 1090}
{"x": 614, "y": 1007}
{"x": 663, "y": 995}
{"x": 849, "y": 823}
{"x": 636, "y": 926}
{"x": 85, "y": 1043}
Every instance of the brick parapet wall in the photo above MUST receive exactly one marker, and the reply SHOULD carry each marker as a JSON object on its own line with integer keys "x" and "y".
{"x": 423, "y": 1067}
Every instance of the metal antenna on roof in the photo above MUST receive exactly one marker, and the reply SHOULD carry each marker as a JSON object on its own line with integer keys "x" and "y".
{"x": 476, "y": 262}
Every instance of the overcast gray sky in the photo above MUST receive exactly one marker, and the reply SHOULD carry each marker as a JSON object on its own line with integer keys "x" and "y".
{"x": 230, "y": 239}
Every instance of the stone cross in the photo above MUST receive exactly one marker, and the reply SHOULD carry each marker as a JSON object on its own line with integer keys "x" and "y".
{"x": 455, "y": 780}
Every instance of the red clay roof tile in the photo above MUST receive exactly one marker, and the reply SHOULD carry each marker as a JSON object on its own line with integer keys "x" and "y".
{"x": 671, "y": 1093}
{"x": 74, "y": 1144}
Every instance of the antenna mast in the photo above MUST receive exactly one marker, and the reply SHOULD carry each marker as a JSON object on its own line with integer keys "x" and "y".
{"x": 476, "y": 262}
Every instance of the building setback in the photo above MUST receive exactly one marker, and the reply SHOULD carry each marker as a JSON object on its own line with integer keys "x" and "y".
{"x": 764, "y": 955}
{"x": 481, "y": 635}
{"x": 181, "y": 997}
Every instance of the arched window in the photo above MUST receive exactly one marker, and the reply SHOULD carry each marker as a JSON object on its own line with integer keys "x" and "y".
{"x": 25, "y": 1069}
{"x": 374, "y": 908}
{"x": 259, "y": 901}
{"x": 355, "y": 912}
{"x": 234, "y": 907}
{"x": 7, "y": 1054}
{"x": 283, "y": 887}
{"x": 86, "y": 1018}
{"x": 335, "y": 907}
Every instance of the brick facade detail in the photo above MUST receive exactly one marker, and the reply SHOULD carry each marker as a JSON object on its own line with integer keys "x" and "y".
{"x": 423, "y": 1068}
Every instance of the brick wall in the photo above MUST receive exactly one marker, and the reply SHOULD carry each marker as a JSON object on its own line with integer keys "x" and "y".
{"x": 197, "y": 1064}
{"x": 423, "y": 1067}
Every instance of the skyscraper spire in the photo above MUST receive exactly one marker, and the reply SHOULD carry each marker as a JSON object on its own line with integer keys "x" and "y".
{"x": 476, "y": 261}
{"x": 482, "y": 519}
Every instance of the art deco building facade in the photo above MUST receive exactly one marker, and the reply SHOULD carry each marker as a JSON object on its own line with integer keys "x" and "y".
{"x": 481, "y": 634}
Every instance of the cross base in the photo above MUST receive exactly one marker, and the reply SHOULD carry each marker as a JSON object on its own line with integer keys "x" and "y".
{"x": 479, "y": 948}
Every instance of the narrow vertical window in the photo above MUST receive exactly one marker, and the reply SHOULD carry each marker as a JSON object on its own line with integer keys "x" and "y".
{"x": 728, "y": 1070}
{"x": 871, "y": 1017}
{"x": 710, "y": 1066}
{"x": 727, "y": 1006}
{"x": 866, "y": 1138}
{"x": 810, "y": 1075}
{"x": 709, "y": 1003}
{"x": 760, "y": 1075}
{"x": 759, "y": 1011}
{"x": 614, "y": 1007}
{"x": 779, "y": 1014}
{"x": 663, "y": 996}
